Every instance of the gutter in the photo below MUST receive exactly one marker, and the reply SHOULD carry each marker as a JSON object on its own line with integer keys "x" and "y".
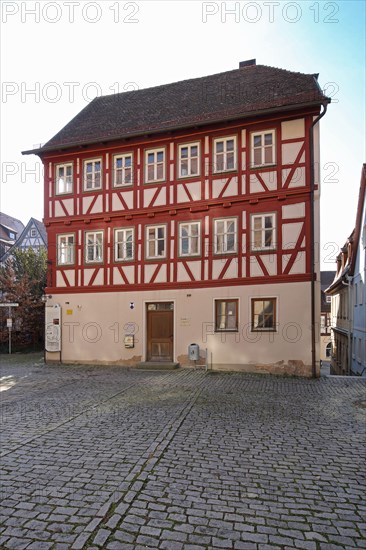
{"x": 312, "y": 237}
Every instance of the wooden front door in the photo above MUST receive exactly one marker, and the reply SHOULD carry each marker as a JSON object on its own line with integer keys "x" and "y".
{"x": 160, "y": 334}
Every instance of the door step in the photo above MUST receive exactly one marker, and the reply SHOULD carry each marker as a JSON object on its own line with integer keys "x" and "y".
{"x": 157, "y": 365}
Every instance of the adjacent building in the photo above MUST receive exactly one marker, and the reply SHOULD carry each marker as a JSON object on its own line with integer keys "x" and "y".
{"x": 10, "y": 230}
{"x": 326, "y": 278}
{"x": 188, "y": 213}
{"x": 32, "y": 236}
{"x": 347, "y": 291}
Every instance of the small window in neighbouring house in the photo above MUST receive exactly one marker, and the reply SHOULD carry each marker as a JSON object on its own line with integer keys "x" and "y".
{"x": 189, "y": 160}
{"x": 263, "y": 314}
{"x": 263, "y": 151}
{"x": 224, "y": 154}
{"x": 94, "y": 247}
{"x": 226, "y": 315}
{"x": 328, "y": 350}
{"x": 64, "y": 178}
{"x": 92, "y": 175}
{"x": 66, "y": 249}
{"x": 328, "y": 299}
{"x": 33, "y": 232}
{"x": 122, "y": 169}
{"x": 123, "y": 244}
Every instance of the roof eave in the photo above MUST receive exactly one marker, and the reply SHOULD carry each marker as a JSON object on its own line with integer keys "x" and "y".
{"x": 250, "y": 114}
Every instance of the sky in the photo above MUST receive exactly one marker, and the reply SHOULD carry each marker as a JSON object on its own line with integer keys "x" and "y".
{"x": 57, "y": 56}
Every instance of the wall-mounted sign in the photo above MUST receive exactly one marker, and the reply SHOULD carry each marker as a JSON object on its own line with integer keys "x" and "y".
{"x": 185, "y": 322}
{"x": 129, "y": 341}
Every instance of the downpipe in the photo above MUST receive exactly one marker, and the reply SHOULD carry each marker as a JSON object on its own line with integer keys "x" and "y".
{"x": 312, "y": 237}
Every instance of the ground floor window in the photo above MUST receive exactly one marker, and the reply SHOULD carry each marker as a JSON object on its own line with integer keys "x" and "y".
{"x": 263, "y": 313}
{"x": 226, "y": 315}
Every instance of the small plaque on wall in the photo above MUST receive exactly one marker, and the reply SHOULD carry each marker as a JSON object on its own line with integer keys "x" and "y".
{"x": 129, "y": 341}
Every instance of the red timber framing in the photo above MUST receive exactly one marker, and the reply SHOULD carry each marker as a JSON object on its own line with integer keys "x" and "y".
{"x": 282, "y": 189}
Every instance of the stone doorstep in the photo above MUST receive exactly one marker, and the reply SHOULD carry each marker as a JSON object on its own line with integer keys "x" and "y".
{"x": 157, "y": 365}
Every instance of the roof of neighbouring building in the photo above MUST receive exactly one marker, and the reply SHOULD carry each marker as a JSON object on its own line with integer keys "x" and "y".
{"x": 10, "y": 223}
{"x": 247, "y": 91}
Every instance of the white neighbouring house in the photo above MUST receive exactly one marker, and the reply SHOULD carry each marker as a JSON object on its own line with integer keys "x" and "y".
{"x": 189, "y": 213}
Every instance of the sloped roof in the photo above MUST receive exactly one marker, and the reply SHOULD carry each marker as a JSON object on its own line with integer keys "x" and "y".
{"x": 354, "y": 238}
{"x": 242, "y": 92}
{"x": 326, "y": 278}
{"x": 11, "y": 223}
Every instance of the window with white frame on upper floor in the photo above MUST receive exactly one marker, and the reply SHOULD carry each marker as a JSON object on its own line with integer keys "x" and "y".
{"x": 263, "y": 231}
{"x": 124, "y": 244}
{"x": 225, "y": 235}
{"x": 328, "y": 299}
{"x": 64, "y": 178}
{"x": 122, "y": 169}
{"x": 263, "y": 148}
{"x": 226, "y": 315}
{"x": 224, "y": 154}
{"x": 154, "y": 165}
{"x": 155, "y": 241}
{"x": 263, "y": 314}
{"x": 94, "y": 247}
{"x": 189, "y": 239}
{"x": 66, "y": 249}
{"x": 92, "y": 174}
{"x": 189, "y": 160}
{"x": 33, "y": 232}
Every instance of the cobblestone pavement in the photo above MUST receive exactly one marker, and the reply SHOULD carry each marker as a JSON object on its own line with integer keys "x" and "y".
{"x": 105, "y": 457}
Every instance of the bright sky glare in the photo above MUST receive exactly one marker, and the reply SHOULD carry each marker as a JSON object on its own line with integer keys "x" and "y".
{"x": 57, "y": 56}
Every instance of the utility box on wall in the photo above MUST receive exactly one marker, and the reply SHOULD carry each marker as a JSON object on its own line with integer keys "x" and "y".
{"x": 194, "y": 352}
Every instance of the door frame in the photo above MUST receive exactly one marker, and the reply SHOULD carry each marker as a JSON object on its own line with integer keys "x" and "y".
{"x": 144, "y": 325}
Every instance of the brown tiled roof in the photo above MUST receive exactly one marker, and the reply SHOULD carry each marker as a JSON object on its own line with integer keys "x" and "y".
{"x": 225, "y": 96}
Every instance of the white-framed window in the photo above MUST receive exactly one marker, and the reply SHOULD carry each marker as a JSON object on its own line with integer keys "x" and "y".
{"x": 224, "y": 154}
{"x": 154, "y": 165}
{"x": 226, "y": 315}
{"x": 328, "y": 299}
{"x": 66, "y": 249}
{"x": 263, "y": 232}
{"x": 155, "y": 241}
{"x": 189, "y": 156}
{"x": 92, "y": 174}
{"x": 33, "y": 232}
{"x": 263, "y": 148}
{"x": 124, "y": 244}
{"x": 323, "y": 323}
{"x": 225, "y": 235}
{"x": 263, "y": 314}
{"x": 94, "y": 247}
{"x": 12, "y": 235}
{"x": 189, "y": 239}
{"x": 64, "y": 178}
{"x": 122, "y": 169}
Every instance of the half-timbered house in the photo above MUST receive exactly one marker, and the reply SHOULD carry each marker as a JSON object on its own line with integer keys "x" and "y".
{"x": 188, "y": 213}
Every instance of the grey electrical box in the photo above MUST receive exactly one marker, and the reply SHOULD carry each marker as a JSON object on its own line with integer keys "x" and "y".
{"x": 194, "y": 352}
